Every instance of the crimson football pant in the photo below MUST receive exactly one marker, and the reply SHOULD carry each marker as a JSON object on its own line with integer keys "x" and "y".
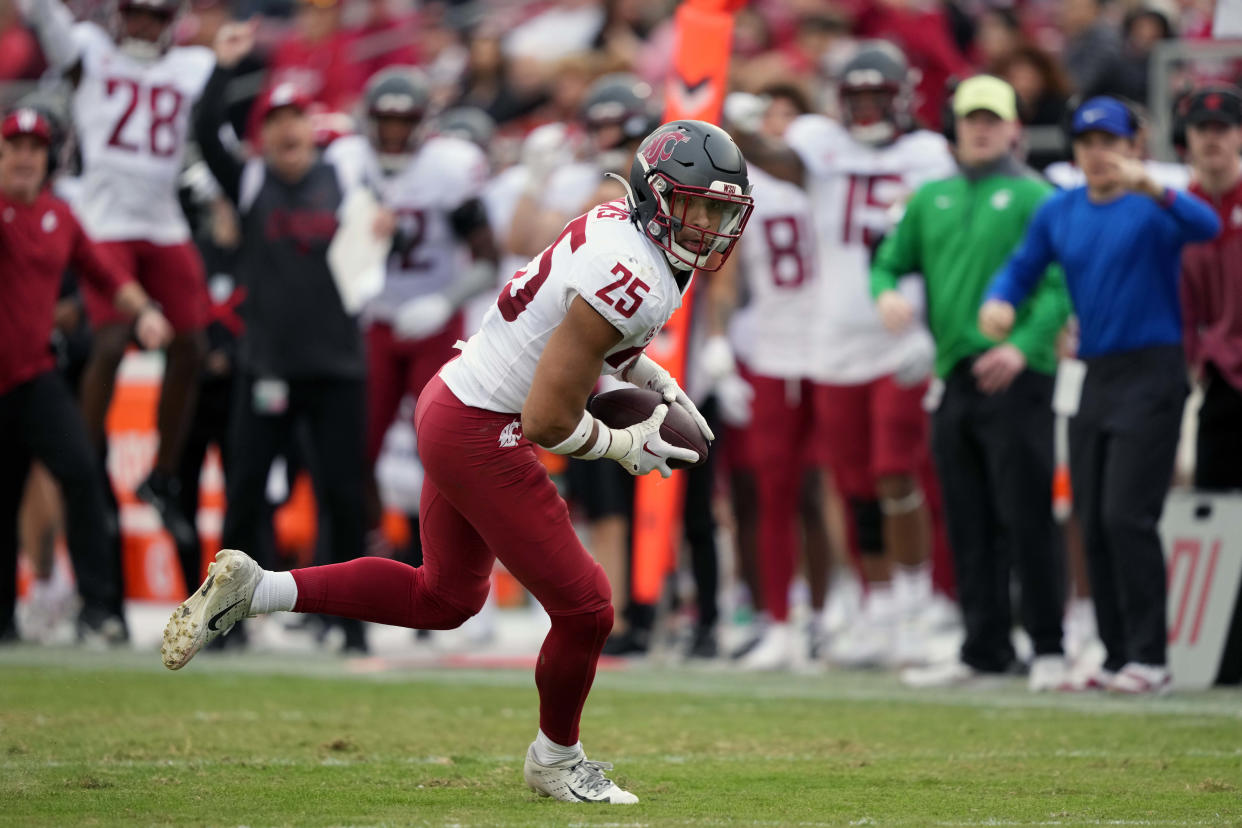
{"x": 782, "y": 448}
{"x": 485, "y": 496}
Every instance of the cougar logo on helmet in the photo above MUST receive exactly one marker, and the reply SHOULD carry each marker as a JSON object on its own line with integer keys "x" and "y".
{"x": 660, "y": 147}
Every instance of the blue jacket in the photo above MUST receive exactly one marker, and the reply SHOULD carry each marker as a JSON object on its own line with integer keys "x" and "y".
{"x": 1122, "y": 262}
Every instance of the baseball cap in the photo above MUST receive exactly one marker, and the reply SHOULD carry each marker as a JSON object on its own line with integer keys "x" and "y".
{"x": 286, "y": 94}
{"x": 1217, "y": 104}
{"x": 1103, "y": 114}
{"x": 987, "y": 93}
{"x": 26, "y": 121}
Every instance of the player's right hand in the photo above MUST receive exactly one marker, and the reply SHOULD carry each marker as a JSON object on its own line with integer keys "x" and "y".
{"x": 233, "y": 42}
{"x": 648, "y": 451}
{"x": 152, "y": 329}
{"x": 996, "y": 319}
{"x": 895, "y": 310}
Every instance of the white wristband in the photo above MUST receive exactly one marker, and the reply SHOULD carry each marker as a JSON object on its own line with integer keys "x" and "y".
{"x": 575, "y": 441}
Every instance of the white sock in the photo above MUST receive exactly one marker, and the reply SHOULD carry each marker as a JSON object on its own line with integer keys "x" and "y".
{"x": 880, "y": 605}
{"x": 912, "y": 586}
{"x": 276, "y": 592}
{"x": 548, "y": 752}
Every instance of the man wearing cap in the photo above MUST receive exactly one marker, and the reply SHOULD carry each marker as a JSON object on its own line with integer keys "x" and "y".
{"x": 992, "y": 433}
{"x": 39, "y": 238}
{"x": 1212, "y": 308}
{"x": 1212, "y": 285}
{"x": 1119, "y": 239}
{"x": 301, "y": 353}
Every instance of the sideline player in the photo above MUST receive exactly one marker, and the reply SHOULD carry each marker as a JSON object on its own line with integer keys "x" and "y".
{"x": 443, "y": 254}
{"x": 870, "y": 383}
{"x": 131, "y": 110}
{"x": 778, "y": 262}
{"x": 587, "y": 305}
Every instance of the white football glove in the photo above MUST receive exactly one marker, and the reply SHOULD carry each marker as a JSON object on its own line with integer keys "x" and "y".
{"x": 647, "y": 449}
{"x": 423, "y": 316}
{"x": 645, "y": 372}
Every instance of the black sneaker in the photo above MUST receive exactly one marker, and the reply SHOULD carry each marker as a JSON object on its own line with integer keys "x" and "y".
{"x": 632, "y": 642}
{"x": 164, "y": 493}
{"x": 8, "y": 634}
{"x": 102, "y": 628}
{"x": 703, "y": 645}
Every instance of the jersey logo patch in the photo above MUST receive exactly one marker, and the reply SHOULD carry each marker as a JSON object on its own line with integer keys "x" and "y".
{"x": 510, "y": 434}
{"x": 49, "y": 221}
{"x": 1235, "y": 218}
{"x": 1001, "y": 199}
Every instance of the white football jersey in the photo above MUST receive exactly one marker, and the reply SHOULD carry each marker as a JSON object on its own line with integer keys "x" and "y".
{"x": 778, "y": 261}
{"x": 442, "y": 175}
{"x": 600, "y": 256}
{"x": 132, "y": 119}
{"x": 854, "y": 189}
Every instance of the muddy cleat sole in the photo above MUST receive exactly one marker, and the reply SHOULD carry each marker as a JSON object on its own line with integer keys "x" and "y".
{"x": 212, "y": 610}
{"x": 576, "y": 781}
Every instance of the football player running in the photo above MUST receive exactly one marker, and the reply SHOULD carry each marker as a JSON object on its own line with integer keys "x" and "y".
{"x": 133, "y": 95}
{"x": 587, "y": 305}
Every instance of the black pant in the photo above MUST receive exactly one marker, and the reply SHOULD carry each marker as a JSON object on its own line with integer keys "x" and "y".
{"x": 334, "y": 412}
{"x": 209, "y": 424}
{"x": 700, "y": 527}
{"x": 40, "y": 420}
{"x": 1123, "y": 442}
{"x": 994, "y": 458}
{"x": 1218, "y": 448}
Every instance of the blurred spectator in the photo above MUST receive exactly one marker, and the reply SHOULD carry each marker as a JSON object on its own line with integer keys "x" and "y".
{"x": 1042, "y": 90}
{"x": 1092, "y": 55}
{"x": 1212, "y": 286}
{"x": 1143, "y": 28}
{"x": 922, "y": 32}
{"x": 562, "y": 29}
{"x": 384, "y": 39}
{"x": 623, "y": 31}
{"x": 20, "y": 58}
{"x": 1119, "y": 239}
{"x": 992, "y": 432}
{"x": 997, "y": 39}
{"x": 316, "y": 57}
{"x": 485, "y": 81}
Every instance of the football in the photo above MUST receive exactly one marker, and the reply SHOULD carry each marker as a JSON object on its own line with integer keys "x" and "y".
{"x": 624, "y": 407}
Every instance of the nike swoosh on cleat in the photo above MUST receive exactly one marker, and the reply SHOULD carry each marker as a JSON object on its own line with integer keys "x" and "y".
{"x": 211, "y": 625}
{"x": 211, "y": 579}
{"x": 580, "y": 797}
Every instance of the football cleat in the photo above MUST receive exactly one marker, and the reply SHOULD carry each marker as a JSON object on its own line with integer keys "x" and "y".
{"x": 1048, "y": 672}
{"x": 577, "y": 780}
{"x": 213, "y": 608}
{"x": 1142, "y": 680}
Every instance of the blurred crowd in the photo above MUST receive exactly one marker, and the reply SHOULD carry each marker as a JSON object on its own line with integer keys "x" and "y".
{"x": 537, "y": 99}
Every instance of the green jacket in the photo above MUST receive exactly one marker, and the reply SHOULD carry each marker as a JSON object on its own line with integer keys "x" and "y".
{"x": 958, "y": 233}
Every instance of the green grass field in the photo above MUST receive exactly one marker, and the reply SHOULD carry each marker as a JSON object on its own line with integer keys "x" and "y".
{"x": 105, "y": 739}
